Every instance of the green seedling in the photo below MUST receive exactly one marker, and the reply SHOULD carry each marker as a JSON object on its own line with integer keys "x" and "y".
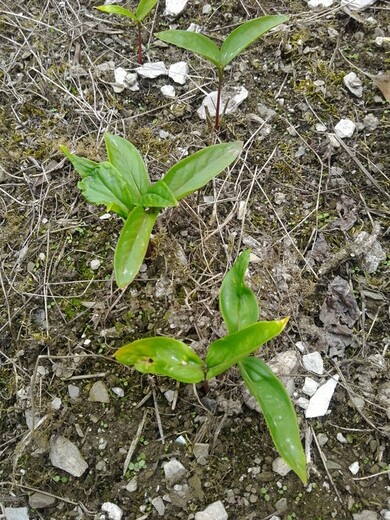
{"x": 122, "y": 183}
{"x": 143, "y": 9}
{"x": 237, "y": 41}
{"x": 170, "y": 357}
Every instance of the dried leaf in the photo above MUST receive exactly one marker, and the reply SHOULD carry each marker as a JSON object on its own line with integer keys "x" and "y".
{"x": 382, "y": 81}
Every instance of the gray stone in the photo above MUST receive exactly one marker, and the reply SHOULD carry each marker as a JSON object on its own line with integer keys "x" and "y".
{"x": 313, "y": 362}
{"x": 310, "y": 386}
{"x": 280, "y": 467}
{"x": 281, "y": 505}
{"x": 65, "y": 455}
{"x": 319, "y": 403}
{"x": 201, "y": 452}
{"x": 113, "y": 511}
{"x": 73, "y": 391}
{"x": 215, "y": 511}
{"x": 99, "y": 393}
{"x": 179, "y": 72}
{"x": 132, "y": 485}
{"x": 16, "y": 513}
{"x": 345, "y": 128}
{"x": 40, "y": 501}
{"x": 365, "y": 515}
{"x": 230, "y": 101}
{"x": 353, "y": 84}
{"x": 152, "y": 70}
{"x": 174, "y": 471}
{"x": 159, "y": 505}
{"x": 371, "y": 122}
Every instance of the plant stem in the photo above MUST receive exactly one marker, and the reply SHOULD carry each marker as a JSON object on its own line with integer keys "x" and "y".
{"x": 220, "y": 79}
{"x": 140, "y": 58}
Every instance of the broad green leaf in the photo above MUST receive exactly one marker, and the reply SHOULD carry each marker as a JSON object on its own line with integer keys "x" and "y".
{"x": 105, "y": 185}
{"x": 237, "y": 302}
{"x": 144, "y": 8}
{"x": 132, "y": 245}
{"x": 158, "y": 196}
{"x": 193, "y": 172}
{"x": 226, "y": 352}
{"x": 194, "y": 42}
{"x": 82, "y": 166}
{"x": 117, "y": 9}
{"x": 245, "y": 34}
{"x": 127, "y": 159}
{"x": 278, "y": 412}
{"x": 164, "y": 357}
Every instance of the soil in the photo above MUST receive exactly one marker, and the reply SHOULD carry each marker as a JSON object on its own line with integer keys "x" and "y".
{"x": 306, "y": 199}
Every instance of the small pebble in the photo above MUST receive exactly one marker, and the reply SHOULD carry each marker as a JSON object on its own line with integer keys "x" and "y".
{"x": 113, "y": 511}
{"x": 95, "y": 264}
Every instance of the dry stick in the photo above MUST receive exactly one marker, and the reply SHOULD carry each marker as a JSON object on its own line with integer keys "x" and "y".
{"x": 323, "y": 458}
{"x": 386, "y": 472}
{"x": 134, "y": 443}
{"x": 62, "y": 499}
{"x": 158, "y": 418}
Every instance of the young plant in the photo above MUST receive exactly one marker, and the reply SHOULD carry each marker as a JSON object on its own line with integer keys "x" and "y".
{"x": 237, "y": 41}
{"x": 143, "y": 9}
{"x": 122, "y": 183}
{"x": 170, "y": 357}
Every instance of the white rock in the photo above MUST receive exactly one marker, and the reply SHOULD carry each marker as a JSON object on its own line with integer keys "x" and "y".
{"x": 159, "y": 505}
{"x": 56, "y": 403}
{"x": 16, "y": 513}
{"x": 310, "y": 386}
{"x": 95, "y": 264}
{"x": 174, "y": 471}
{"x": 179, "y": 72}
{"x": 206, "y": 9}
{"x": 132, "y": 485}
{"x": 73, "y": 391}
{"x": 345, "y": 128}
{"x": 322, "y": 439}
{"x": 320, "y": 127}
{"x": 241, "y": 209}
{"x": 353, "y": 84}
{"x": 230, "y": 101}
{"x": 113, "y": 511}
{"x": 340, "y": 437}
{"x": 168, "y": 91}
{"x": 302, "y": 402}
{"x": 124, "y": 79}
{"x": 319, "y": 3}
{"x": 319, "y": 403}
{"x": 280, "y": 467}
{"x": 152, "y": 70}
{"x": 313, "y": 362}
{"x": 357, "y": 5}
{"x": 174, "y": 7}
{"x": 194, "y": 27}
{"x": 118, "y": 391}
{"x": 181, "y": 440}
{"x": 354, "y": 468}
{"x": 66, "y": 455}
{"x": 215, "y": 511}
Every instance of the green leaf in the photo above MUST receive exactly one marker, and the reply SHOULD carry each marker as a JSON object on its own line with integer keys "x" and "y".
{"x": 164, "y": 357}
{"x": 128, "y": 161}
{"x": 158, "y": 196}
{"x": 278, "y": 412}
{"x": 225, "y": 352}
{"x": 144, "y": 8}
{"x": 194, "y": 42}
{"x": 117, "y": 9}
{"x": 105, "y": 185}
{"x": 82, "y": 166}
{"x": 245, "y": 34}
{"x": 237, "y": 302}
{"x": 132, "y": 245}
{"x": 193, "y": 172}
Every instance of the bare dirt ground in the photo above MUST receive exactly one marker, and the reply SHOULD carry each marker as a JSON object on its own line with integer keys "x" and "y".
{"x": 313, "y": 207}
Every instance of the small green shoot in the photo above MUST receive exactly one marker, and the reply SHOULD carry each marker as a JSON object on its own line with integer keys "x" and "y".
{"x": 122, "y": 183}
{"x": 237, "y": 41}
{"x": 169, "y": 357}
{"x": 143, "y": 9}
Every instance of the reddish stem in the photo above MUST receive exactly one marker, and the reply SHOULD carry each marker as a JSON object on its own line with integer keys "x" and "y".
{"x": 220, "y": 78}
{"x": 140, "y": 58}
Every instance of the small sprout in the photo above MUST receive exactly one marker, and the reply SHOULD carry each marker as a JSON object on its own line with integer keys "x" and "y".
{"x": 173, "y": 358}
{"x": 143, "y": 9}
{"x": 237, "y": 41}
